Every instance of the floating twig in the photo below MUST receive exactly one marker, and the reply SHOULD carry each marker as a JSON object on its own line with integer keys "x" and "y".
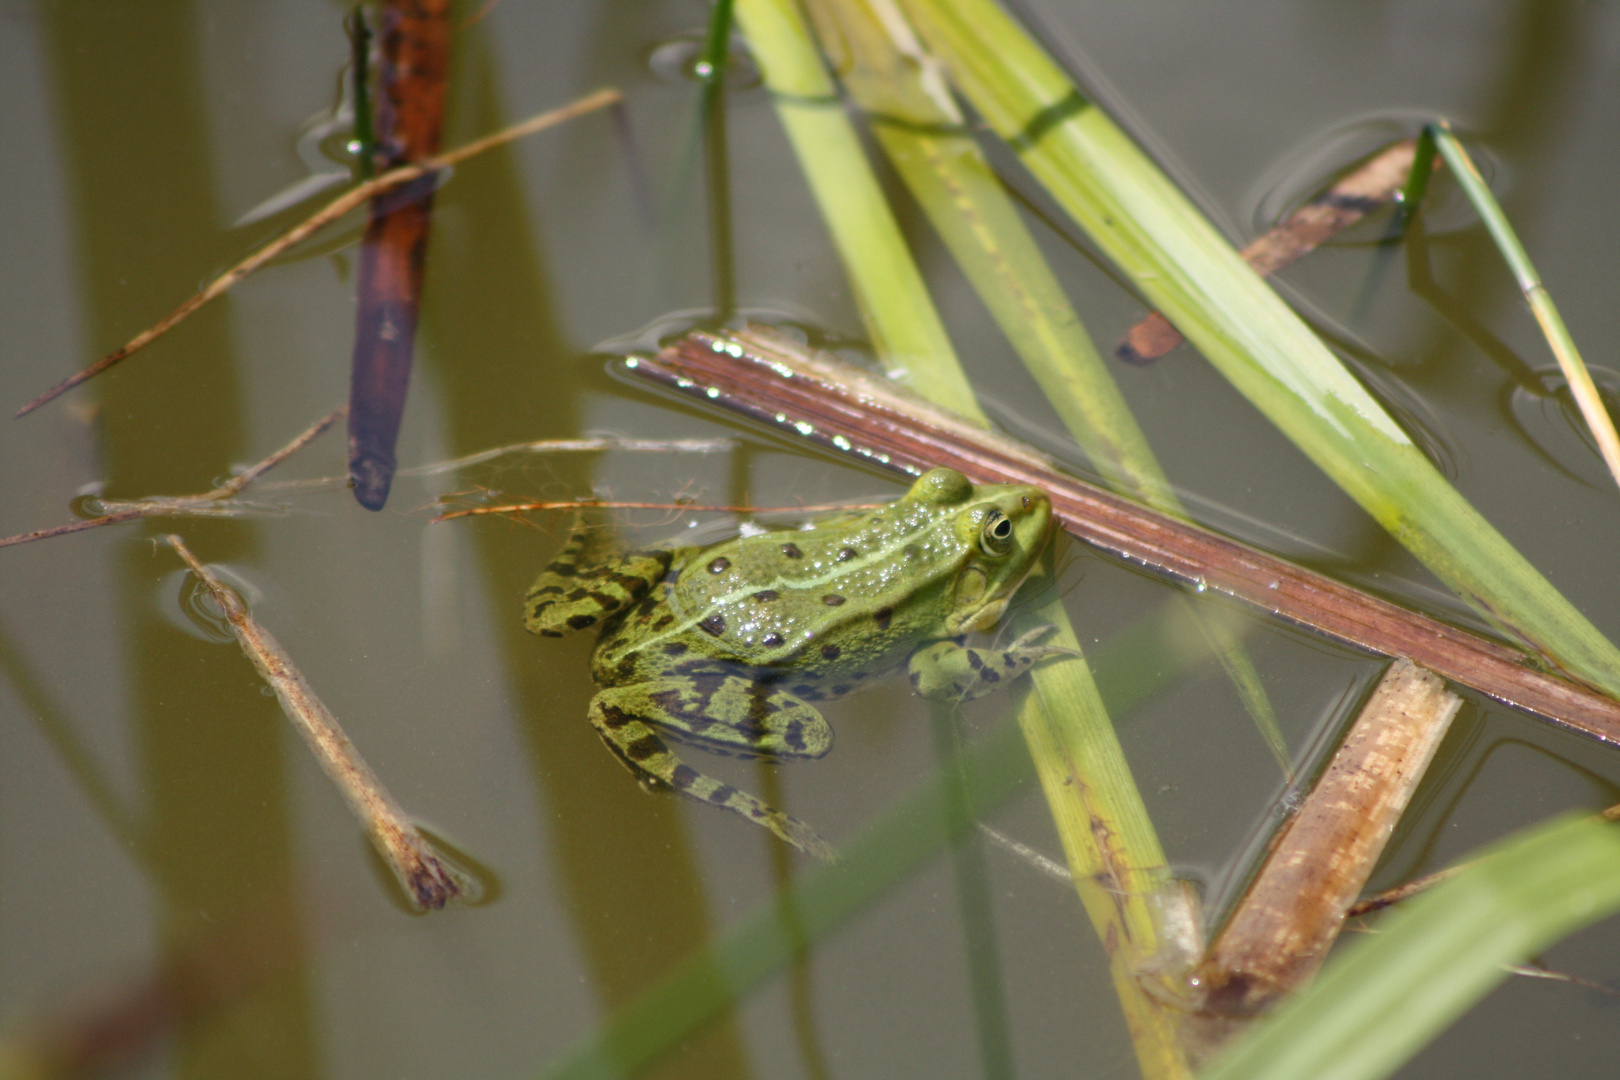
{"x": 220, "y": 502}
{"x": 1373, "y": 185}
{"x": 1389, "y": 897}
{"x": 429, "y": 881}
{"x": 334, "y": 210}
{"x": 615, "y": 504}
{"x": 662, "y": 446}
{"x": 1282, "y": 929}
{"x": 776, "y": 381}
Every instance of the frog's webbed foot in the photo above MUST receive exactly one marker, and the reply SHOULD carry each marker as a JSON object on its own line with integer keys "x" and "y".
{"x": 629, "y": 719}
{"x": 574, "y": 592}
{"x": 950, "y": 671}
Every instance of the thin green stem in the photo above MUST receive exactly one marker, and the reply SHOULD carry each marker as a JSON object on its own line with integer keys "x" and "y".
{"x": 1524, "y": 272}
{"x": 365, "y": 138}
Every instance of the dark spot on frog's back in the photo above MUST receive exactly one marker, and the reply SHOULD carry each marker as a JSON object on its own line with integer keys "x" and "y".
{"x": 580, "y": 622}
{"x": 792, "y": 551}
{"x": 830, "y": 652}
{"x": 648, "y": 746}
{"x": 772, "y": 640}
{"x": 765, "y": 596}
{"x": 714, "y": 625}
{"x": 719, "y": 565}
{"x": 832, "y": 599}
{"x": 846, "y": 554}
{"x": 663, "y": 620}
{"x": 882, "y": 616}
{"x": 674, "y": 648}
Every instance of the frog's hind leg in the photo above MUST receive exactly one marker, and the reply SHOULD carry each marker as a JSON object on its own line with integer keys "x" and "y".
{"x": 575, "y": 591}
{"x": 620, "y": 716}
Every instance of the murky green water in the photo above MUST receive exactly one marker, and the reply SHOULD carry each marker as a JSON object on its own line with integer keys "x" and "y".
{"x": 164, "y": 837}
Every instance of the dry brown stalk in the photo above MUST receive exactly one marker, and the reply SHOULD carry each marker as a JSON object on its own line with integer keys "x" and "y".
{"x": 660, "y": 446}
{"x": 429, "y": 881}
{"x": 778, "y": 382}
{"x": 219, "y": 502}
{"x": 1380, "y": 901}
{"x": 1282, "y": 929}
{"x": 334, "y": 210}
{"x": 603, "y": 504}
{"x": 1357, "y": 194}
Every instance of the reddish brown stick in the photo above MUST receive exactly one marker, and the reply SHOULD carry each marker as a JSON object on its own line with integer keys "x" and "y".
{"x": 772, "y": 379}
{"x": 416, "y": 52}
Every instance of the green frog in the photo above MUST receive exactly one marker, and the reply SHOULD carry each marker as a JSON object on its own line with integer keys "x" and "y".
{"x": 726, "y": 647}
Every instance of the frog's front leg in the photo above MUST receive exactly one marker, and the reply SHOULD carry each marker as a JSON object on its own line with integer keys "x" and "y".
{"x": 948, "y": 670}
{"x": 572, "y": 592}
{"x": 726, "y": 713}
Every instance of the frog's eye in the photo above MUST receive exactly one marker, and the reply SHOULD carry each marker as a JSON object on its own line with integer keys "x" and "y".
{"x": 997, "y": 536}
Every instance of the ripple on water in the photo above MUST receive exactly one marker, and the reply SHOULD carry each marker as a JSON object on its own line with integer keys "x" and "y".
{"x": 187, "y": 606}
{"x": 1545, "y": 414}
{"x": 1311, "y": 164}
{"x": 680, "y": 59}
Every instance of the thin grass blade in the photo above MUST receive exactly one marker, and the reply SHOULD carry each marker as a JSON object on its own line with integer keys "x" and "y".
{"x": 900, "y": 315}
{"x": 1585, "y": 392}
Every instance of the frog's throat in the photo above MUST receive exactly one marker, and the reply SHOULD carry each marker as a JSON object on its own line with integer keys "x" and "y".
{"x": 985, "y": 617}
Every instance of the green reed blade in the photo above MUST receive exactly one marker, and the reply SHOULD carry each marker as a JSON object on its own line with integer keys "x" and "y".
{"x": 917, "y": 124}
{"x": 1188, "y": 271}
{"x": 900, "y": 316}
{"x": 1085, "y": 805}
{"x": 1388, "y": 994}
{"x": 1540, "y": 300}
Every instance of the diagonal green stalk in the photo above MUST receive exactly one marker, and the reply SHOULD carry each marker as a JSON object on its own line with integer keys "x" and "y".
{"x": 1115, "y": 855}
{"x": 900, "y": 316}
{"x": 920, "y": 129}
{"x": 1536, "y": 295}
{"x": 1188, "y": 271}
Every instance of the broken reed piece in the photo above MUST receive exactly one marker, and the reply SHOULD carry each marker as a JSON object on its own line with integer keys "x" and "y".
{"x": 323, "y": 217}
{"x": 1370, "y": 187}
{"x": 428, "y": 879}
{"x": 1281, "y": 931}
{"x": 216, "y": 503}
{"x": 769, "y": 377}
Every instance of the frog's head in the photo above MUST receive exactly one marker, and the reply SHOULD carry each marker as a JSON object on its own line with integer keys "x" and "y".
{"x": 999, "y": 532}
